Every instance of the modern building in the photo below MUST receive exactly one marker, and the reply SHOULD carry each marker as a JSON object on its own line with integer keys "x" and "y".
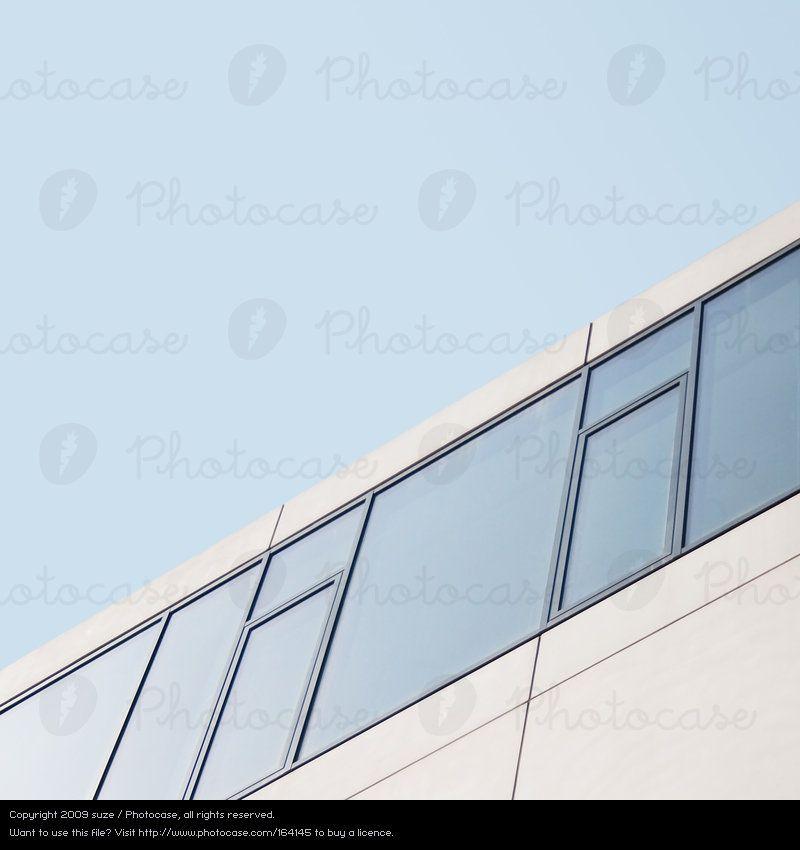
{"x": 582, "y": 580}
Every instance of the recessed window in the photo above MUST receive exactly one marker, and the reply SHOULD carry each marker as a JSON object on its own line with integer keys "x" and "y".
{"x": 453, "y": 568}
{"x": 624, "y": 505}
{"x": 747, "y": 422}
{"x": 440, "y": 570}
{"x": 310, "y": 560}
{"x": 55, "y": 744}
{"x": 174, "y": 707}
{"x": 638, "y": 369}
{"x": 263, "y": 705}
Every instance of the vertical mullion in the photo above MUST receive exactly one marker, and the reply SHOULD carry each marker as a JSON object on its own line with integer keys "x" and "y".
{"x": 216, "y": 714}
{"x": 162, "y": 628}
{"x": 312, "y": 673}
{"x": 555, "y": 579}
{"x": 673, "y": 385}
{"x": 678, "y": 443}
{"x": 248, "y": 614}
{"x": 690, "y": 404}
{"x": 232, "y": 661}
{"x": 327, "y": 639}
{"x": 241, "y": 648}
{"x": 569, "y": 521}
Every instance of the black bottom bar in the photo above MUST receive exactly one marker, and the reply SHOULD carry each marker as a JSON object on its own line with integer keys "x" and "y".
{"x": 65, "y": 822}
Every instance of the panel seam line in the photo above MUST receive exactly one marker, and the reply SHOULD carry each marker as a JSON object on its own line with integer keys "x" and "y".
{"x": 444, "y": 746}
{"x": 525, "y": 722}
{"x": 665, "y": 625}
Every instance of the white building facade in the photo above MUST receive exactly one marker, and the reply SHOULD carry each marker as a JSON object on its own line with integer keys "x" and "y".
{"x": 580, "y": 581}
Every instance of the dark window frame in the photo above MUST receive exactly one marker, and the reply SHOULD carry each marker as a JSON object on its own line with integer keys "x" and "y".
{"x": 341, "y": 579}
{"x": 311, "y": 678}
{"x": 680, "y": 548}
{"x": 558, "y": 610}
{"x": 156, "y": 623}
{"x": 678, "y": 496}
{"x": 164, "y": 619}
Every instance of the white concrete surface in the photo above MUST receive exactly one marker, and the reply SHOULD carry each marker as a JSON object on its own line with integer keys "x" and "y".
{"x": 704, "y": 708}
{"x": 479, "y": 766}
{"x": 411, "y": 734}
{"x": 679, "y": 289}
{"x": 444, "y": 427}
{"x": 691, "y": 638}
{"x": 121, "y": 616}
{"x": 681, "y": 587}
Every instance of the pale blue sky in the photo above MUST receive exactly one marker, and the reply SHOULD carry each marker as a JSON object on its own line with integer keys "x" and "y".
{"x": 267, "y": 100}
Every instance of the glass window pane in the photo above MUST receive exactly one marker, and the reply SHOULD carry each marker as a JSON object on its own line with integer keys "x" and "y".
{"x": 639, "y": 369}
{"x": 55, "y": 744}
{"x": 622, "y": 511}
{"x": 264, "y": 701}
{"x": 453, "y": 569}
{"x": 747, "y": 425}
{"x": 167, "y": 725}
{"x": 309, "y": 561}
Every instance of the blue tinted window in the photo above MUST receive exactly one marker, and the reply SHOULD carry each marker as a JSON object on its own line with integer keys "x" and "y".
{"x": 56, "y": 743}
{"x": 309, "y": 561}
{"x": 453, "y": 568}
{"x": 623, "y": 506}
{"x": 746, "y": 434}
{"x": 264, "y": 702}
{"x": 171, "y": 714}
{"x": 638, "y": 369}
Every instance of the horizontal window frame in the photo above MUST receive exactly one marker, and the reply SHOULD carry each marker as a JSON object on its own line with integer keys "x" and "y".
{"x": 413, "y": 469}
{"x": 558, "y": 612}
{"x": 74, "y": 666}
{"x": 679, "y": 549}
{"x": 257, "y": 564}
{"x": 666, "y": 321}
{"x": 157, "y": 623}
{"x": 333, "y": 581}
{"x": 367, "y": 496}
{"x": 361, "y": 502}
